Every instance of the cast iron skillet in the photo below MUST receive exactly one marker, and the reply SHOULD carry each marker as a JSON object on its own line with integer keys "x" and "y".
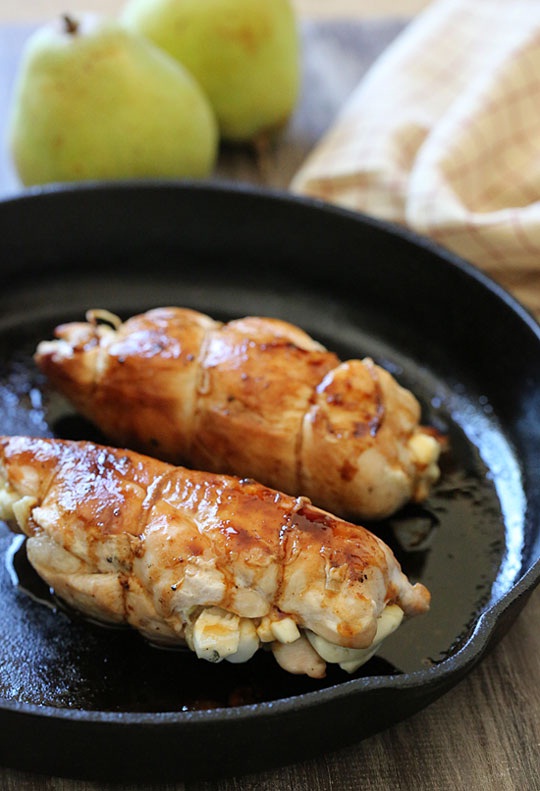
{"x": 79, "y": 699}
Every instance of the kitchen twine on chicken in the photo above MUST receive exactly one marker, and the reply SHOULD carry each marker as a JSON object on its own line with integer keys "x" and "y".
{"x": 443, "y": 136}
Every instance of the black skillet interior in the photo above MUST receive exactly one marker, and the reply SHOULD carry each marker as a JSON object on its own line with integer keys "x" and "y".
{"x": 466, "y": 349}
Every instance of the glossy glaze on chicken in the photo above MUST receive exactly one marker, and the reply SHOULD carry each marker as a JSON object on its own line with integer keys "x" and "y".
{"x": 223, "y": 565}
{"x": 252, "y": 397}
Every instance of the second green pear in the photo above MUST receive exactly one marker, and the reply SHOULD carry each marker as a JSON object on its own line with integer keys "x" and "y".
{"x": 244, "y": 53}
{"x": 94, "y": 100}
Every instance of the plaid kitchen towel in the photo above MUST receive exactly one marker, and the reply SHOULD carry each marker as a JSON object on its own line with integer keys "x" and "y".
{"x": 443, "y": 135}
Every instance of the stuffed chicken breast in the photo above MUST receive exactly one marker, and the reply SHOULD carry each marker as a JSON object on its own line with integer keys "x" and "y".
{"x": 222, "y": 565}
{"x": 252, "y": 397}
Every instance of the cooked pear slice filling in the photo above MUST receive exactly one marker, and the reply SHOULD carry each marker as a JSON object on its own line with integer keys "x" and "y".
{"x": 13, "y": 507}
{"x": 22, "y": 509}
{"x": 350, "y": 659}
{"x": 217, "y": 634}
{"x": 7, "y": 499}
{"x": 248, "y": 642}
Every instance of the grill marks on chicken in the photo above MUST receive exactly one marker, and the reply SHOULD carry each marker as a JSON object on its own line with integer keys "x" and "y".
{"x": 221, "y": 564}
{"x": 253, "y": 397}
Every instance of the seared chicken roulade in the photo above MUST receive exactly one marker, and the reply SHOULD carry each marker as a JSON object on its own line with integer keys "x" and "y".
{"x": 254, "y": 397}
{"x": 220, "y": 564}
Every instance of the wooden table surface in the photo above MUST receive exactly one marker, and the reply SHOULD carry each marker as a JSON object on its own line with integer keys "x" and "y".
{"x": 484, "y": 734}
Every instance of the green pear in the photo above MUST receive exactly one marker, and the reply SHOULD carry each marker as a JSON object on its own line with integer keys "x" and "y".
{"x": 93, "y": 100}
{"x": 244, "y": 53}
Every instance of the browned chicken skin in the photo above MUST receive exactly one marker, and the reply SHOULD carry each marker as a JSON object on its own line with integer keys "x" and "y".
{"x": 253, "y": 397}
{"x": 221, "y": 564}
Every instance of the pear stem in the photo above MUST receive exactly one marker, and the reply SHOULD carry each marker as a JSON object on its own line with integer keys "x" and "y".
{"x": 71, "y": 26}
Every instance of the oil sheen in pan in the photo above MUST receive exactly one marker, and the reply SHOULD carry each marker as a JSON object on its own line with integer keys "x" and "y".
{"x": 455, "y": 543}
